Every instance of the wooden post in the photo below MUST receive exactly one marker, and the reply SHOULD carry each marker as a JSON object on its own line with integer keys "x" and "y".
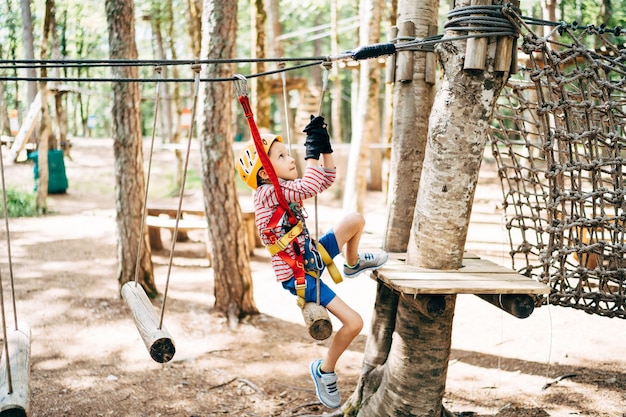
{"x": 157, "y": 339}
{"x": 317, "y": 321}
{"x": 430, "y": 66}
{"x": 390, "y": 68}
{"x": 476, "y": 49}
{"x": 15, "y": 399}
{"x": 404, "y": 71}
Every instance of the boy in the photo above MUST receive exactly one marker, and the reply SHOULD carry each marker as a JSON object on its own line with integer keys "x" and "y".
{"x": 298, "y": 256}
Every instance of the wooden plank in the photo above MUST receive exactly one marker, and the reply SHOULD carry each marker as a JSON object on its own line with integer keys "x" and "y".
{"x": 467, "y": 287}
{"x": 476, "y": 276}
{"x": 170, "y": 223}
{"x": 34, "y": 112}
{"x": 469, "y": 266}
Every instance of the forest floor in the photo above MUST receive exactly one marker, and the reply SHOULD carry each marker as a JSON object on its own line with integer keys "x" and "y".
{"x": 87, "y": 358}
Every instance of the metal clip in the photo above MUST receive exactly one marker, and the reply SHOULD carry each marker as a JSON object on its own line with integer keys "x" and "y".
{"x": 241, "y": 85}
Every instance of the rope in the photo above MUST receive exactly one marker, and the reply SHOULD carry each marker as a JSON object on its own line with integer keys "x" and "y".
{"x": 157, "y": 69}
{"x": 196, "y": 89}
{"x": 557, "y": 139}
{"x": 327, "y": 66}
{"x": 4, "y": 324}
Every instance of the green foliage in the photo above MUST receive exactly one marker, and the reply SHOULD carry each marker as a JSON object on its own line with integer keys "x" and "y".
{"x": 19, "y": 203}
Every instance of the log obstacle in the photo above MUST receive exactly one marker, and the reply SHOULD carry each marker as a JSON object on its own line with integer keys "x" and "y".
{"x": 517, "y": 305}
{"x": 317, "y": 321}
{"x": 155, "y": 336}
{"x": 15, "y": 394}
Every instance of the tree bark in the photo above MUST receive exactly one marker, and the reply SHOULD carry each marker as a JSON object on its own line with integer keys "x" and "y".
{"x": 366, "y": 127}
{"x": 29, "y": 49}
{"x": 229, "y": 246}
{"x": 456, "y": 140}
{"x": 418, "y": 333}
{"x": 412, "y": 102}
{"x": 259, "y": 89}
{"x": 127, "y": 149}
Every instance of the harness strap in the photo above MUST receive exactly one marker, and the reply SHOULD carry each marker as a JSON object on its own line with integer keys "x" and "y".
{"x": 286, "y": 239}
{"x": 330, "y": 264}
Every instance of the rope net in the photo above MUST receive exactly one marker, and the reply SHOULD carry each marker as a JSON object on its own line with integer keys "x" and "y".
{"x": 558, "y": 138}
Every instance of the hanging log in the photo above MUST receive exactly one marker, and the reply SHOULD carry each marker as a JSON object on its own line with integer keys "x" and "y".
{"x": 518, "y": 305}
{"x": 317, "y": 321}
{"x": 156, "y": 338}
{"x": 15, "y": 396}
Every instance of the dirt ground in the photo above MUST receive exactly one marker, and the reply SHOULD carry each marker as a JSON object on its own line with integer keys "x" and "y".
{"x": 87, "y": 358}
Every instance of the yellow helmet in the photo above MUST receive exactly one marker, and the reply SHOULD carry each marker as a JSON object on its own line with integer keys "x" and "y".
{"x": 248, "y": 163}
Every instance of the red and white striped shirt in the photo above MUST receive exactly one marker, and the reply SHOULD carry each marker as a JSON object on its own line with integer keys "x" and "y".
{"x": 315, "y": 180}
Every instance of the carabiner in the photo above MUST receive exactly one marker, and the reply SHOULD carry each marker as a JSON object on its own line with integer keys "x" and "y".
{"x": 241, "y": 85}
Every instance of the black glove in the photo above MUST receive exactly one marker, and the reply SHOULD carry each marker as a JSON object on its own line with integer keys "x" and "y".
{"x": 317, "y": 138}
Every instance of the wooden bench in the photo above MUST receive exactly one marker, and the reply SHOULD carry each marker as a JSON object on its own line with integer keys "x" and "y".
{"x": 159, "y": 218}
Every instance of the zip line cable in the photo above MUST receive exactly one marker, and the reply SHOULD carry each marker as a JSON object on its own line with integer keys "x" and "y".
{"x": 488, "y": 21}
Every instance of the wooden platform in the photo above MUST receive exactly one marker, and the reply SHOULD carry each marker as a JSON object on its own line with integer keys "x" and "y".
{"x": 476, "y": 276}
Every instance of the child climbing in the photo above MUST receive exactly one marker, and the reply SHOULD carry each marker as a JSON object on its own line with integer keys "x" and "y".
{"x": 296, "y": 259}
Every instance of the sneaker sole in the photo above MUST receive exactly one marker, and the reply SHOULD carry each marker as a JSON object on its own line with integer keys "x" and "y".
{"x": 370, "y": 269}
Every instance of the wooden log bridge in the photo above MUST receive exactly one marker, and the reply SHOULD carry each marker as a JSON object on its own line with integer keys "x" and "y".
{"x": 408, "y": 348}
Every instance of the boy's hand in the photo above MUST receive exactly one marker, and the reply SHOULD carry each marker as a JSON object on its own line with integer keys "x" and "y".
{"x": 317, "y": 138}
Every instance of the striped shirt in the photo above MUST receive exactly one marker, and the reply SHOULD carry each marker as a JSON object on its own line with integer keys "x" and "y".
{"x": 315, "y": 180}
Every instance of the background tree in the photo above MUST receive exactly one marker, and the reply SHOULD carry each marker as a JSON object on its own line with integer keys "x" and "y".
{"x": 366, "y": 128}
{"x": 229, "y": 246}
{"x": 127, "y": 150}
{"x": 28, "y": 45}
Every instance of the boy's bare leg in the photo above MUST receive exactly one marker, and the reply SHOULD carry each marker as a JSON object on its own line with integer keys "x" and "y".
{"x": 348, "y": 232}
{"x": 352, "y": 323}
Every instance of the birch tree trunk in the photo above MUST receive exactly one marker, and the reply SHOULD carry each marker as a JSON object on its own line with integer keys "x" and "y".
{"x": 127, "y": 150}
{"x": 460, "y": 117}
{"x": 408, "y": 352}
{"x": 366, "y": 126}
{"x": 29, "y": 48}
{"x": 412, "y": 102}
{"x": 229, "y": 251}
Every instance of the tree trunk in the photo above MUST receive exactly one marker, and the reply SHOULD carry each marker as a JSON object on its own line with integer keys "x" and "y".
{"x": 423, "y": 324}
{"x": 456, "y": 141}
{"x": 366, "y": 127}
{"x": 421, "y": 331}
{"x": 29, "y": 49}
{"x": 413, "y": 98}
{"x": 127, "y": 149}
{"x": 229, "y": 251}
{"x": 259, "y": 89}
{"x": 194, "y": 25}
{"x": 45, "y": 124}
{"x": 335, "y": 95}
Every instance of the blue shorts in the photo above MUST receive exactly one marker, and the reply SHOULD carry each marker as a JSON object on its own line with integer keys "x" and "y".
{"x": 329, "y": 242}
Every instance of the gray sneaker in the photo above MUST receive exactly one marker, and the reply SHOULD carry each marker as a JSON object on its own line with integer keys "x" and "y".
{"x": 325, "y": 386}
{"x": 367, "y": 262}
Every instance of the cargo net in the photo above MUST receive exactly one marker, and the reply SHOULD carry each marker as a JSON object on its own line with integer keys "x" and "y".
{"x": 559, "y": 142}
